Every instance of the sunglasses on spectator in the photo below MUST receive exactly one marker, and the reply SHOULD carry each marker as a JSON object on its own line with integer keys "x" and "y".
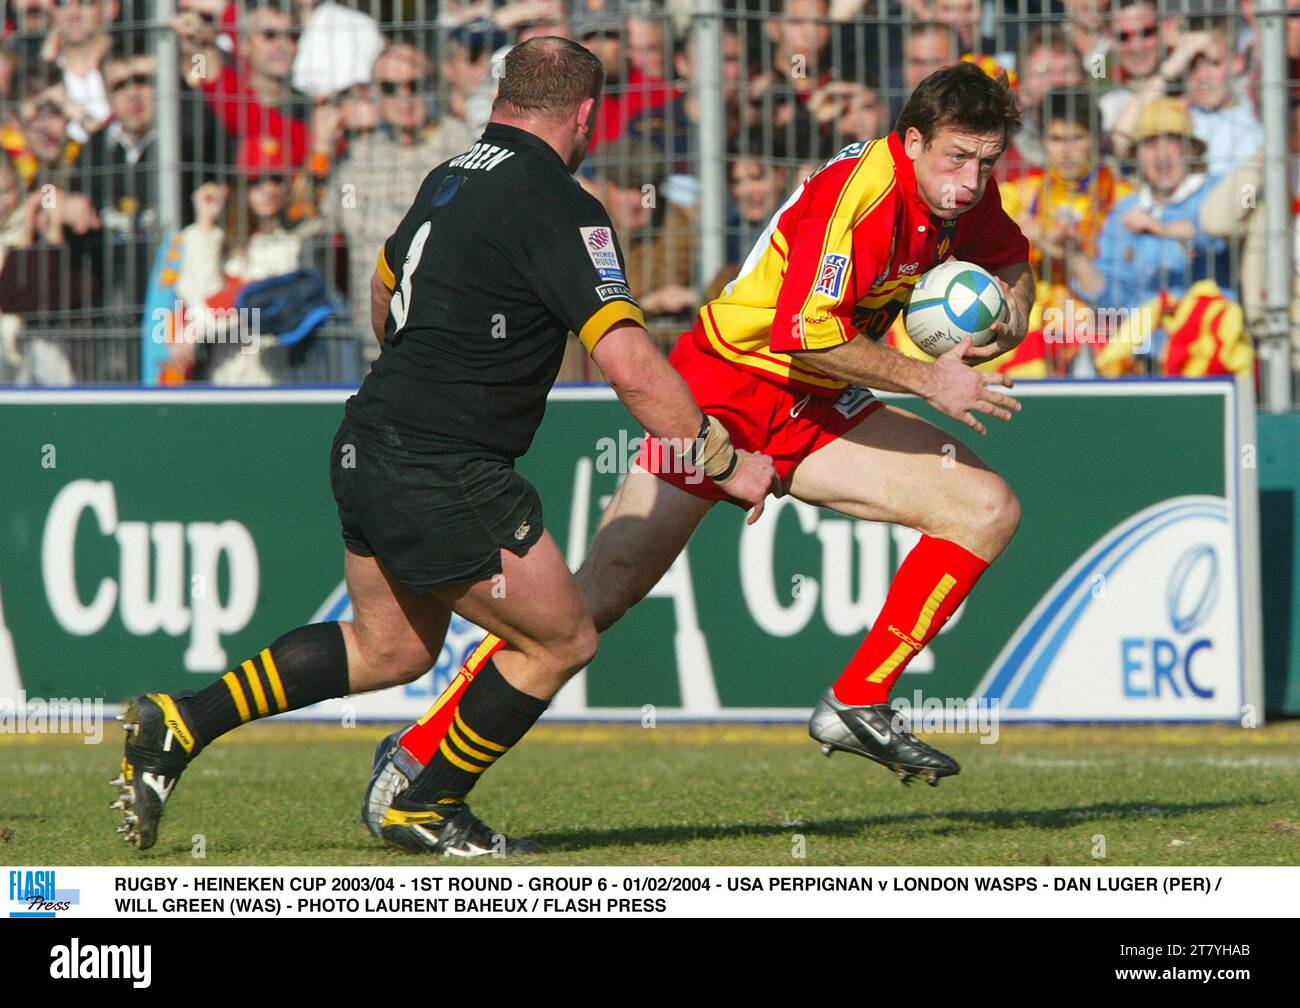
{"x": 271, "y": 34}
{"x": 391, "y": 87}
{"x": 1129, "y": 36}
{"x": 138, "y": 79}
{"x": 75, "y": 3}
{"x": 269, "y": 179}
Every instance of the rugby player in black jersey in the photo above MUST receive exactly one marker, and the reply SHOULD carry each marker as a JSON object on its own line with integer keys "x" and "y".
{"x": 500, "y": 256}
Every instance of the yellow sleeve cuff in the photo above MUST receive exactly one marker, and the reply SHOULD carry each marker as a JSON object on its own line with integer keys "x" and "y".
{"x": 604, "y": 319}
{"x": 385, "y": 273}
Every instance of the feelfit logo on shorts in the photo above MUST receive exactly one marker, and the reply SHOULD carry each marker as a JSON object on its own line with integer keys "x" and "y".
{"x": 831, "y": 280}
{"x": 599, "y": 242}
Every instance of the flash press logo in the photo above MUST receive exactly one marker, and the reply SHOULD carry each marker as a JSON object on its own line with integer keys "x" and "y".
{"x": 75, "y": 961}
{"x": 36, "y": 894}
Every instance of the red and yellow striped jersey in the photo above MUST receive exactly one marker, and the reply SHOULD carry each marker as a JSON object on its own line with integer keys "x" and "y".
{"x": 839, "y": 258}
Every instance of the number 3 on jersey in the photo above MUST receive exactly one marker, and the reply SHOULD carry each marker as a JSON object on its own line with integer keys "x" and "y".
{"x": 401, "y": 305}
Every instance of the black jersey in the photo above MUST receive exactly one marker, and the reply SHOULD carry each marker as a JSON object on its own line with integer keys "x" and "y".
{"x": 499, "y": 258}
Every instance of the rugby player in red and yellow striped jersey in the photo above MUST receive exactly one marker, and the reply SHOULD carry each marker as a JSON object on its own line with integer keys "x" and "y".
{"x": 786, "y": 358}
{"x": 840, "y": 259}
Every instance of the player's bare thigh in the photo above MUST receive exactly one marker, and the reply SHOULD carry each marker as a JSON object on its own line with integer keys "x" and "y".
{"x": 535, "y": 605}
{"x": 896, "y": 467}
{"x": 395, "y": 635}
{"x": 647, "y": 524}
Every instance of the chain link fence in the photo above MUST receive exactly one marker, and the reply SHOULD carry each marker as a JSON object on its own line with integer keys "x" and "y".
{"x": 195, "y": 192}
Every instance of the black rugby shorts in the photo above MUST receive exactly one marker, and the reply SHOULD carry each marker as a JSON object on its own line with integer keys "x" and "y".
{"x": 432, "y": 519}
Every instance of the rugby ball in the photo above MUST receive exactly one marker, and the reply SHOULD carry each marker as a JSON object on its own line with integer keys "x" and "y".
{"x": 954, "y": 300}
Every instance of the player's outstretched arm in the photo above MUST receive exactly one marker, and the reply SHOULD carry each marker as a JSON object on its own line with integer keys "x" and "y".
{"x": 948, "y": 384}
{"x": 658, "y": 398}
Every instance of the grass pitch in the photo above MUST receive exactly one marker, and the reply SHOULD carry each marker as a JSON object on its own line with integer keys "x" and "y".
{"x": 289, "y": 794}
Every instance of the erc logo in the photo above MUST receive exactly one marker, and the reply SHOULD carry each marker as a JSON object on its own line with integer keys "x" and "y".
{"x": 1156, "y": 666}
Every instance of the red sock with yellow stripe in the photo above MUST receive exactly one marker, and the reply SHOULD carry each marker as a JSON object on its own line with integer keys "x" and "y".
{"x": 303, "y": 667}
{"x": 490, "y": 718}
{"x": 929, "y": 586}
{"x": 424, "y": 738}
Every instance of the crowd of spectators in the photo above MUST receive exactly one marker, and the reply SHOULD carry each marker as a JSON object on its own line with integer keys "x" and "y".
{"x": 305, "y": 127}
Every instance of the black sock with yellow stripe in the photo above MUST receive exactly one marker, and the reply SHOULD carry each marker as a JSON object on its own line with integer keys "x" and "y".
{"x": 491, "y": 717}
{"x": 303, "y": 667}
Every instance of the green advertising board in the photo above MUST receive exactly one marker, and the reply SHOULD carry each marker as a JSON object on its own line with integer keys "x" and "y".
{"x": 152, "y": 540}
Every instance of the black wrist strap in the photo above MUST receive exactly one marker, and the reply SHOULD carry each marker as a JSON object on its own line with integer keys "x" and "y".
{"x": 692, "y": 449}
{"x": 730, "y": 471}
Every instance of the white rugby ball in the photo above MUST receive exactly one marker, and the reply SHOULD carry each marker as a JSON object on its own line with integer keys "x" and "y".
{"x": 954, "y": 300}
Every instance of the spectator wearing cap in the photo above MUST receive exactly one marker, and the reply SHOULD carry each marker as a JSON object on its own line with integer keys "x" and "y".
{"x": 599, "y": 25}
{"x": 371, "y": 188}
{"x": 1153, "y": 241}
{"x": 77, "y": 44}
{"x": 250, "y": 94}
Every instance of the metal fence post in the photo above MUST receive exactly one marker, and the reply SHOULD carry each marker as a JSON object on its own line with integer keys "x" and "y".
{"x": 712, "y": 163}
{"x": 168, "y": 117}
{"x": 1275, "y": 346}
